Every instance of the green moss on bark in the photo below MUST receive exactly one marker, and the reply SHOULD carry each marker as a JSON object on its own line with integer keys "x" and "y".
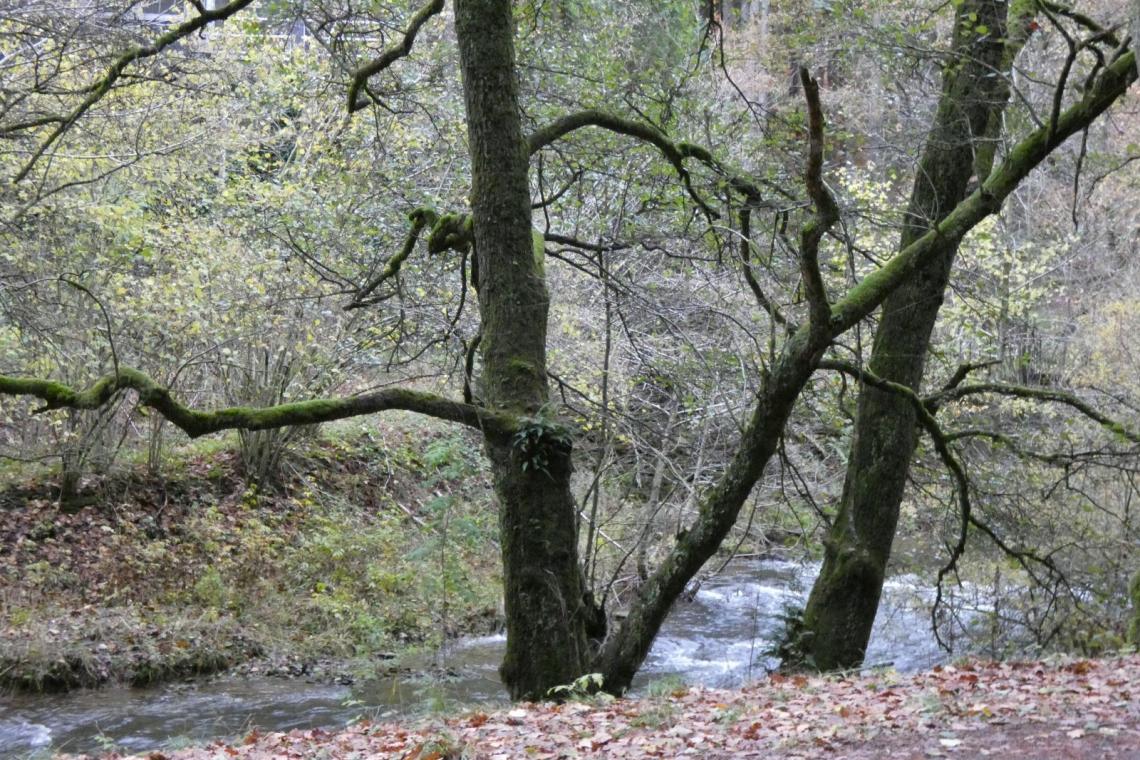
{"x": 843, "y": 603}
{"x": 546, "y": 607}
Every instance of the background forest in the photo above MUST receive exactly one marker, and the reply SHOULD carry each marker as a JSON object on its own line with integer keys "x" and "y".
{"x": 277, "y": 206}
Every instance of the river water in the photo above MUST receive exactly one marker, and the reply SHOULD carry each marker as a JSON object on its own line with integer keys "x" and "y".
{"x": 720, "y": 638}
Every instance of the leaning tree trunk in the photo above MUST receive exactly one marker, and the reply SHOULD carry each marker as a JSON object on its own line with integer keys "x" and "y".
{"x": 546, "y": 610}
{"x": 624, "y": 650}
{"x": 841, "y": 608}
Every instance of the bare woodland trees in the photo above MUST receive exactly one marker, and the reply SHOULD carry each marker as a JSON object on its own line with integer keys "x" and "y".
{"x": 556, "y": 630}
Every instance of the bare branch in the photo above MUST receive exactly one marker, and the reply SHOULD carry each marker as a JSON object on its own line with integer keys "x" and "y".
{"x": 964, "y": 370}
{"x": 555, "y": 237}
{"x": 1081, "y": 19}
{"x": 826, "y": 209}
{"x": 547, "y": 201}
{"x": 106, "y": 318}
{"x": 1062, "y": 79}
{"x": 758, "y": 293}
{"x": 952, "y": 463}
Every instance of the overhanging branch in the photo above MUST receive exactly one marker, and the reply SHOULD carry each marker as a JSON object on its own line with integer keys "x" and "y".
{"x": 1038, "y": 394}
{"x": 394, "y": 53}
{"x": 197, "y": 423}
{"x": 674, "y": 153}
{"x": 98, "y": 89}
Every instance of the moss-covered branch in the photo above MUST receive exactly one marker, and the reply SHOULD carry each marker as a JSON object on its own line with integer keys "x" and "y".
{"x": 674, "y": 153}
{"x": 197, "y": 423}
{"x": 1038, "y": 394}
{"x": 445, "y": 232}
{"x": 98, "y": 89}
{"x": 394, "y": 53}
{"x": 419, "y": 218}
{"x": 1021, "y": 160}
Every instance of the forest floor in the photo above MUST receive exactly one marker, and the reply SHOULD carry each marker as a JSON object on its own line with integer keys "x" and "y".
{"x": 191, "y": 571}
{"x": 1059, "y": 708}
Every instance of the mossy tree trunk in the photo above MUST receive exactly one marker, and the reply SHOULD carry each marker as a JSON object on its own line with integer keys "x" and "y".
{"x": 843, "y": 602}
{"x": 624, "y": 652}
{"x": 546, "y": 607}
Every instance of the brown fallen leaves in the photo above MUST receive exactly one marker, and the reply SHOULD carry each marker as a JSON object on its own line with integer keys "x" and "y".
{"x": 1054, "y": 709}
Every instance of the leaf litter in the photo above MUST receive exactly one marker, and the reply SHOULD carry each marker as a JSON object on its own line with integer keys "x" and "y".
{"x": 1057, "y": 708}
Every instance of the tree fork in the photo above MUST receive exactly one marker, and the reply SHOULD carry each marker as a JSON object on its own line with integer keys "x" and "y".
{"x": 623, "y": 653}
{"x": 625, "y": 649}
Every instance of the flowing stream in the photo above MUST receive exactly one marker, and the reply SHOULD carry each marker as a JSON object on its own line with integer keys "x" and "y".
{"x": 722, "y": 637}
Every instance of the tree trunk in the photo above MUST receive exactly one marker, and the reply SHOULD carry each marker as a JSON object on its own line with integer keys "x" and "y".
{"x": 624, "y": 651}
{"x": 547, "y": 611}
{"x": 1134, "y": 588}
{"x": 843, "y": 602}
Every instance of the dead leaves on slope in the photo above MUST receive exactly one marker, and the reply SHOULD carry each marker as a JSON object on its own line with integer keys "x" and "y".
{"x": 967, "y": 710}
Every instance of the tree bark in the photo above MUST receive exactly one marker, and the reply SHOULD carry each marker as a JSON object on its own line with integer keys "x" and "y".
{"x": 1134, "y": 592}
{"x": 1134, "y": 588}
{"x": 841, "y": 609}
{"x": 546, "y": 607}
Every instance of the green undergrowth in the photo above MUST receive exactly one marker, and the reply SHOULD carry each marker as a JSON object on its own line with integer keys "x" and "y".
{"x": 375, "y": 542}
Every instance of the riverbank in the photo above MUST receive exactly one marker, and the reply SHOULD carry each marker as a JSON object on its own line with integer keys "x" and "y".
{"x": 375, "y": 541}
{"x": 1059, "y": 708}
{"x": 722, "y": 638}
